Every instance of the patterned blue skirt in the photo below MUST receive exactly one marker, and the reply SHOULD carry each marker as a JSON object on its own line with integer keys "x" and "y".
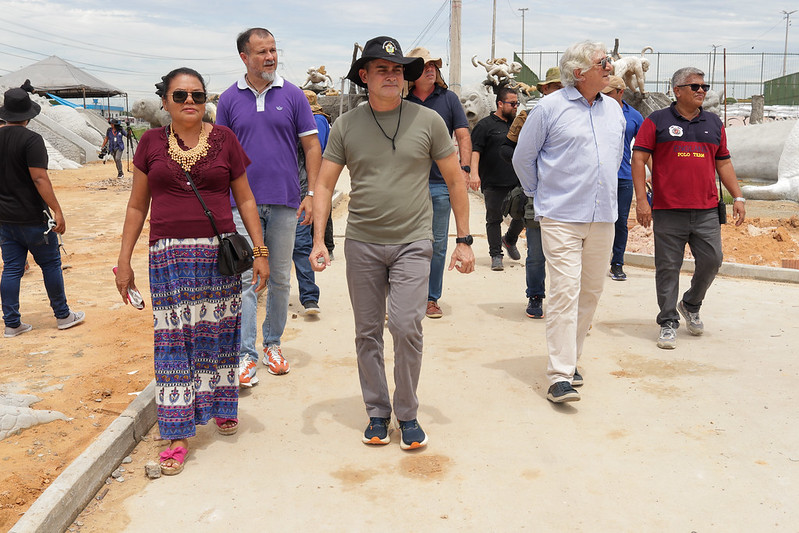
{"x": 197, "y": 323}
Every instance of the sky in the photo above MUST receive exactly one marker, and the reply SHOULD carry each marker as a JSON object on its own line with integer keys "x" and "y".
{"x": 131, "y": 44}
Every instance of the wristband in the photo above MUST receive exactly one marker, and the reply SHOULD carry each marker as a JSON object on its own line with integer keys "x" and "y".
{"x": 309, "y": 193}
{"x": 260, "y": 251}
{"x": 739, "y": 199}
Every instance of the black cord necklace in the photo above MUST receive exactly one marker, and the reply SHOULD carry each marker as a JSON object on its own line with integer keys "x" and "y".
{"x": 393, "y": 146}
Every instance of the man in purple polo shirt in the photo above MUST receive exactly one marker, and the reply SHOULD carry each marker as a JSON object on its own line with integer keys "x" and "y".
{"x": 269, "y": 116}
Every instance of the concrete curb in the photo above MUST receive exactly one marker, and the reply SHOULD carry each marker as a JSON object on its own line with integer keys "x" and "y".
{"x": 734, "y": 270}
{"x": 62, "y": 502}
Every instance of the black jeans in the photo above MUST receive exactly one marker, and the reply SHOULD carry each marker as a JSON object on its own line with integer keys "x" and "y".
{"x": 493, "y": 199}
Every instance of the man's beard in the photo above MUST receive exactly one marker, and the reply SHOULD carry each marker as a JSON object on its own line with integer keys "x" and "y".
{"x": 509, "y": 115}
{"x": 269, "y": 77}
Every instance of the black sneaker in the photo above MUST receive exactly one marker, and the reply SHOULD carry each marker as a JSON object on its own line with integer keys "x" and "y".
{"x": 513, "y": 251}
{"x": 561, "y": 392}
{"x": 377, "y": 431}
{"x": 617, "y": 273}
{"x": 535, "y": 307}
{"x": 413, "y": 436}
{"x": 311, "y": 307}
{"x": 577, "y": 379}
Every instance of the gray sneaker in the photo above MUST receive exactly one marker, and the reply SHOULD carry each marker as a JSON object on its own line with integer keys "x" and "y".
{"x": 72, "y": 319}
{"x": 668, "y": 337}
{"x": 692, "y": 320}
{"x": 19, "y": 330}
{"x": 496, "y": 263}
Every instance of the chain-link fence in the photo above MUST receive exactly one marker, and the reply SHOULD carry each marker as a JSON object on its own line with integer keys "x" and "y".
{"x": 747, "y": 73}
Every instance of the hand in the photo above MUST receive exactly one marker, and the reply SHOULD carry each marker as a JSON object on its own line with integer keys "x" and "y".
{"x": 260, "y": 272}
{"x": 124, "y": 281}
{"x": 643, "y": 213}
{"x": 738, "y": 212}
{"x": 60, "y": 224}
{"x": 319, "y": 258}
{"x": 306, "y": 205}
{"x": 462, "y": 259}
{"x": 473, "y": 181}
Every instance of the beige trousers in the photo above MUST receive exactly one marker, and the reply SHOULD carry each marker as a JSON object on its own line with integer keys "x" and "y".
{"x": 578, "y": 255}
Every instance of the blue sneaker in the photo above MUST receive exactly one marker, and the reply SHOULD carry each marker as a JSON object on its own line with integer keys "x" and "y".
{"x": 562, "y": 391}
{"x": 377, "y": 431}
{"x": 413, "y": 436}
{"x": 535, "y": 307}
{"x": 577, "y": 379}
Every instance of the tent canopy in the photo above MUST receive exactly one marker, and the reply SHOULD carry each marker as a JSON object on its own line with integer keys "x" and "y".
{"x": 56, "y": 76}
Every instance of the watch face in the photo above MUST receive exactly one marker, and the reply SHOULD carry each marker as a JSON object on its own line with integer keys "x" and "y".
{"x": 466, "y": 240}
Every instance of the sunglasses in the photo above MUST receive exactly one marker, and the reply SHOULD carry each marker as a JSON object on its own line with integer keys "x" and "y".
{"x": 512, "y": 104}
{"x": 604, "y": 62}
{"x": 199, "y": 97}
{"x": 696, "y": 86}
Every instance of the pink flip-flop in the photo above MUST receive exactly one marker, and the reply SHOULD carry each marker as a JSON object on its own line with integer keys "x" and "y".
{"x": 178, "y": 455}
{"x": 230, "y": 430}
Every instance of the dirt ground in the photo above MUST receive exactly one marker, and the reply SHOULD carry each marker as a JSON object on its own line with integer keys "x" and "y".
{"x": 91, "y": 372}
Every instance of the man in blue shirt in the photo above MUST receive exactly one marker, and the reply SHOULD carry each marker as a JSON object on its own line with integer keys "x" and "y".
{"x": 633, "y": 119}
{"x": 567, "y": 159}
{"x": 431, "y": 91}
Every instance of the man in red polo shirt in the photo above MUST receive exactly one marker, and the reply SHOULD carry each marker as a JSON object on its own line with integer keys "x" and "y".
{"x": 688, "y": 146}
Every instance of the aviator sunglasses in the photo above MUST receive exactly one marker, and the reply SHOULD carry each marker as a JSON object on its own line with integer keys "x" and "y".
{"x": 696, "y": 86}
{"x": 180, "y": 96}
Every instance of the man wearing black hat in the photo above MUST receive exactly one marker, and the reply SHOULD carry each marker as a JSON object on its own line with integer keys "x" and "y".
{"x": 25, "y": 221}
{"x": 388, "y": 146}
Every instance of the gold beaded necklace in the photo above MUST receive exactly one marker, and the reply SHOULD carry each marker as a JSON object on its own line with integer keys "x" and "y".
{"x": 187, "y": 158}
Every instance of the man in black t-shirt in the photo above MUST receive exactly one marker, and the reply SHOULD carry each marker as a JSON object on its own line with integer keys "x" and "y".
{"x": 496, "y": 175}
{"x": 26, "y": 224}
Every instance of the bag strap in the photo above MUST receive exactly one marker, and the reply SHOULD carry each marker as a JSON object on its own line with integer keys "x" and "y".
{"x": 205, "y": 208}
{"x": 721, "y": 193}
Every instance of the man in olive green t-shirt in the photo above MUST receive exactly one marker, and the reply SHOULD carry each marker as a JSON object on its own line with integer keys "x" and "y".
{"x": 388, "y": 146}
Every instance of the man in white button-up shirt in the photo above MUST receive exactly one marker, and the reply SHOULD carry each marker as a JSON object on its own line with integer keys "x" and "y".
{"x": 568, "y": 154}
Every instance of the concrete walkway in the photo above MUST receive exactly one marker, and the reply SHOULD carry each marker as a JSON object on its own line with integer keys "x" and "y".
{"x": 701, "y": 438}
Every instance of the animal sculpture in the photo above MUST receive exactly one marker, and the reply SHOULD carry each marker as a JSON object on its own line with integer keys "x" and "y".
{"x": 787, "y": 186}
{"x": 498, "y": 69}
{"x": 632, "y": 70}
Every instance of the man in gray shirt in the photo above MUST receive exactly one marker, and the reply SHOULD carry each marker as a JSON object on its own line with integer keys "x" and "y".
{"x": 388, "y": 146}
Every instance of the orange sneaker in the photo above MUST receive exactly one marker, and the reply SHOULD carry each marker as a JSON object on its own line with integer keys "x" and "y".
{"x": 275, "y": 362}
{"x": 247, "y": 369}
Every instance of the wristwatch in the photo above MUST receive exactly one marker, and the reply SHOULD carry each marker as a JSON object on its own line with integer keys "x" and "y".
{"x": 309, "y": 193}
{"x": 466, "y": 168}
{"x": 739, "y": 199}
{"x": 468, "y": 240}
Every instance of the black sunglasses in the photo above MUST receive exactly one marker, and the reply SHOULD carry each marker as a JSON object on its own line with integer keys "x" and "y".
{"x": 603, "y": 63}
{"x": 179, "y": 96}
{"x": 512, "y": 104}
{"x": 695, "y": 86}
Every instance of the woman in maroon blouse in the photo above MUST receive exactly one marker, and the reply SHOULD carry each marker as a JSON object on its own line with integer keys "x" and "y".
{"x": 196, "y": 310}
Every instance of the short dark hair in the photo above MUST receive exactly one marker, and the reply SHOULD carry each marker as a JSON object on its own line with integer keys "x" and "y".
{"x": 244, "y": 38}
{"x": 162, "y": 87}
{"x": 503, "y": 93}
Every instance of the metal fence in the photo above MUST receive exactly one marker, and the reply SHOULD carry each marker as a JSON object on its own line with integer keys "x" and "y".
{"x": 746, "y": 73}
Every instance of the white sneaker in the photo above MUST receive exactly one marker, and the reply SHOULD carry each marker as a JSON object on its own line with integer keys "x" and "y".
{"x": 19, "y": 330}
{"x": 668, "y": 337}
{"x": 275, "y": 362}
{"x": 247, "y": 369}
{"x": 73, "y": 319}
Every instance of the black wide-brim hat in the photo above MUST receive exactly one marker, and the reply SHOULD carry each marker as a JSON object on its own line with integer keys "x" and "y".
{"x": 389, "y": 49}
{"x": 18, "y": 106}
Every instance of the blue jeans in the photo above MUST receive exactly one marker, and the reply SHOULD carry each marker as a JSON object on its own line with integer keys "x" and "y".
{"x": 306, "y": 280}
{"x": 279, "y": 225}
{"x": 439, "y": 193}
{"x": 536, "y": 264}
{"x": 620, "y": 240}
{"x": 16, "y": 241}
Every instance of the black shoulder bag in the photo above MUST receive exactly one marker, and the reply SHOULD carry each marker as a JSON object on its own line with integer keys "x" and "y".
{"x": 235, "y": 253}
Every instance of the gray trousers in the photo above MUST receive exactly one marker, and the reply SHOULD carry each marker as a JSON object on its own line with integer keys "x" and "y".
{"x": 118, "y": 160}
{"x": 673, "y": 228}
{"x": 395, "y": 275}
